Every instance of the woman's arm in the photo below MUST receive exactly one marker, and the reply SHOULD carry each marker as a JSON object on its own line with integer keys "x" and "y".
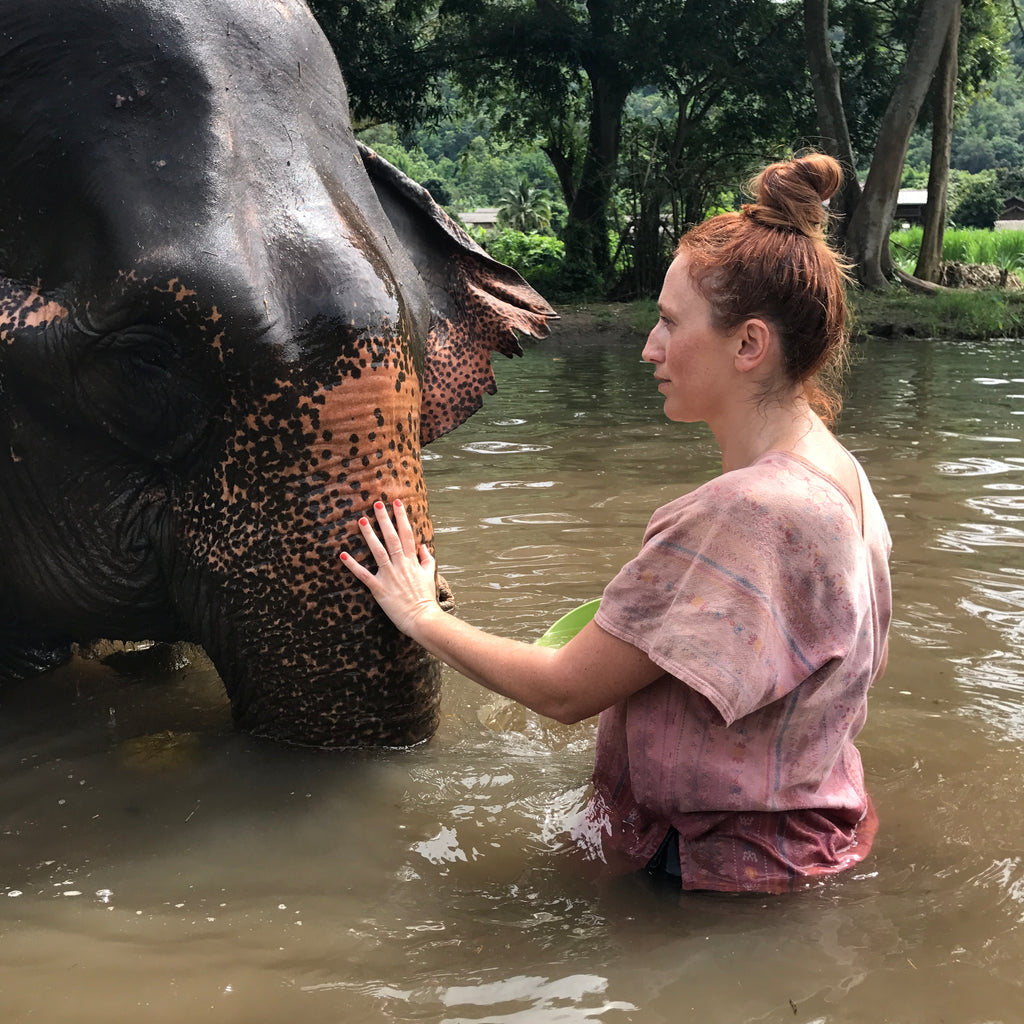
{"x": 590, "y": 673}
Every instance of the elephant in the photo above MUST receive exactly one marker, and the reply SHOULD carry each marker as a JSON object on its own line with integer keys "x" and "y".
{"x": 226, "y": 329}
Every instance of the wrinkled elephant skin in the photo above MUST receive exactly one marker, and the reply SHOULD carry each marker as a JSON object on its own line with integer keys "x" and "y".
{"x": 225, "y": 329}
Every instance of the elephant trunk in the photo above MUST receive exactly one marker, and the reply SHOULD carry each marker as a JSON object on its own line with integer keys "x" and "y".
{"x": 306, "y": 655}
{"x": 363, "y": 685}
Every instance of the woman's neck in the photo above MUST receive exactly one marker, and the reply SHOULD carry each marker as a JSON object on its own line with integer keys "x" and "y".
{"x": 787, "y": 427}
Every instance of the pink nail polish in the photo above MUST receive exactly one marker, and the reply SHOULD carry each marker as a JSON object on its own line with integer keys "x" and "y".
{"x": 397, "y": 503}
{"x": 364, "y": 521}
{"x": 378, "y": 504}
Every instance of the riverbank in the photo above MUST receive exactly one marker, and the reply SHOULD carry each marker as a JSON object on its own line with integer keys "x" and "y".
{"x": 897, "y": 315}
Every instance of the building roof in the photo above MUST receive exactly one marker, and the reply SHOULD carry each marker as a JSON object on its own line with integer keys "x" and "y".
{"x": 912, "y": 197}
{"x": 484, "y": 215}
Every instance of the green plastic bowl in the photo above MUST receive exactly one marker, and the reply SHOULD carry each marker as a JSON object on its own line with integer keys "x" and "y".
{"x": 568, "y": 625}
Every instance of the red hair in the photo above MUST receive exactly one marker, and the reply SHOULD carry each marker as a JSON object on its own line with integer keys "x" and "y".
{"x": 771, "y": 261}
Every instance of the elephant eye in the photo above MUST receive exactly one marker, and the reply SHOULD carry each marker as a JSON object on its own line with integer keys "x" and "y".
{"x": 142, "y": 390}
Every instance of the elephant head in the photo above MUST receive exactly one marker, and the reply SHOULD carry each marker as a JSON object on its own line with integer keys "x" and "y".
{"x": 225, "y": 329}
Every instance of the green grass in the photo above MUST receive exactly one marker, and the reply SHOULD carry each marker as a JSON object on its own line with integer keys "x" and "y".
{"x": 958, "y": 314}
{"x": 899, "y": 313}
{"x": 642, "y": 315}
{"x": 1004, "y": 249}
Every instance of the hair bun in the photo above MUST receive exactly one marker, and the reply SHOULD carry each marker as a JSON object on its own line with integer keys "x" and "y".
{"x": 791, "y": 194}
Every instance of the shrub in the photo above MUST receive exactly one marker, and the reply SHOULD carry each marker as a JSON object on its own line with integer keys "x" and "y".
{"x": 977, "y": 203}
{"x": 538, "y": 258}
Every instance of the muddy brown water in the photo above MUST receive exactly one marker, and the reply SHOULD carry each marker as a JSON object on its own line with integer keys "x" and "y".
{"x": 157, "y": 866}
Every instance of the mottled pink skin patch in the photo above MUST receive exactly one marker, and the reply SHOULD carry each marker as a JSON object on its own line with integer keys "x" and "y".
{"x": 458, "y": 365}
{"x": 309, "y": 657}
{"x": 24, "y": 309}
{"x": 177, "y": 289}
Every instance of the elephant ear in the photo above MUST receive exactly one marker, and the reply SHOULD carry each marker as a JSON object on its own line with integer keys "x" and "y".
{"x": 477, "y": 304}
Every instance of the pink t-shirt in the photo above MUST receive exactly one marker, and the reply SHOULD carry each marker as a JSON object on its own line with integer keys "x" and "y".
{"x": 768, "y": 608}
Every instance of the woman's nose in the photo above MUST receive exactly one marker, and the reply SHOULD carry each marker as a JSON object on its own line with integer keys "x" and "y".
{"x": 650, "y": 349}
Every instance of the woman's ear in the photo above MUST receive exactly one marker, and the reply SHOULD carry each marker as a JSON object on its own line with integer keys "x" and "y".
{"x": 755, "y": 339}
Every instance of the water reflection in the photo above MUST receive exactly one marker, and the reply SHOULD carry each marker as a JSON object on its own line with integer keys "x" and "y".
{"x": 577, "y": 997}
{"x": 155, "y": 864}
{"x": 502, "y": 447}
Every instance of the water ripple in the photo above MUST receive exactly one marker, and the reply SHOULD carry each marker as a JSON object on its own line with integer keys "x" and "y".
{"x": 994, "y": 687}
{"x": 971, "y": 536}
{"x": 999, "y": 507}
{"x": 503, "y": 447}
{"x": 532, "y": 519}
{"x": 500, "y": 485}
{"x": 1005, "y": 875}
{"x": 979, "y": 466}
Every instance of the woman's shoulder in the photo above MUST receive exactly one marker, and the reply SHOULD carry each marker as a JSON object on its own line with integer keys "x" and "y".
{"x": 774, "y": 477}
{"x": 768, "y": 495}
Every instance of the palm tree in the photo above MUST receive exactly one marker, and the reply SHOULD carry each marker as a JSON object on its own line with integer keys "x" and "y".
{"x": 525, "y": 208}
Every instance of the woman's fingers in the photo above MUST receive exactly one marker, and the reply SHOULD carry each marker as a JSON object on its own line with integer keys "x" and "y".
{"x": 396, "y": 539}
{"x": 356, "y": 568}
{"x": 377, "y": 548}
{"x": 404, "y": 528}
{"x": 404, "y": 584}
{"x": 391, "y": 535}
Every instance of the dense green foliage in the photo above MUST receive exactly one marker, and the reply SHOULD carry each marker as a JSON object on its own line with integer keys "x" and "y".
{"x": 977, "y": 201}
{"x": 989, "y": 131}
{"x": 613, "y": 124}
{"x": 538, "y": 258}
{"x": 458, "y": 158}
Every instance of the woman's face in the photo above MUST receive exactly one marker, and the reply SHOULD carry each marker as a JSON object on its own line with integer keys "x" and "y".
{"x": 693, "y": 360}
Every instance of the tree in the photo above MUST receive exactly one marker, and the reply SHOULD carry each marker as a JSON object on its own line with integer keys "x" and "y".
{"x": 564, "y": 74}
{"x": 929, "y": 260}
{"x": 561, "y": 71}
{"x": 974, "y": 53}
{"x": 828, "y": 99}
{"x": 869, "y": 222}
{"x": 868, "y": 236}
{"x": 525, "y": 208}
{"x": 382, "y": 47}
{"x": 707, "y": 122}
{"x": 920, "y": 31}
{"x": 978, "y": 201}
{"x": 990, "y": 133}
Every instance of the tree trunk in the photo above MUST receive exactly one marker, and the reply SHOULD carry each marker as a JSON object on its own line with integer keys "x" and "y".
{"x": 586, "y": 231}
{"x": 929, "y": 260}
{"x": 868, "y": 234}
{"x": 650, "y": 258}
{"x": 563, "y": 165}
{"x": 587, "y": 256}
{"x": 831, "y": 114}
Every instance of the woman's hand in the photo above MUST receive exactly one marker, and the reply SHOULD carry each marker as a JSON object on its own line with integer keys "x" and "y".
{"x": 590, "y": 673}
{"x": 404, "y": 584}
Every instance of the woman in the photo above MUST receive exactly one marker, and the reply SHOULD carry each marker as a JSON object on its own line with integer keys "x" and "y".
{"x": 731, "y": 659}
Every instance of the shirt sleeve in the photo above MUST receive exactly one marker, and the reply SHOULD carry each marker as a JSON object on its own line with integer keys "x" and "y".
{"x": 739, "y": 588}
